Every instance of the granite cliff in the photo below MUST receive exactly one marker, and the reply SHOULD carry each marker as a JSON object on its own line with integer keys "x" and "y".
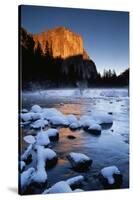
{"x": 57, "y": 55}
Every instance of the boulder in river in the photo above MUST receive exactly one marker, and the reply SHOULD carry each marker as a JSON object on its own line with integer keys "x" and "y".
{"x": 79, "y": 161}
{"x": 111, "y": 177}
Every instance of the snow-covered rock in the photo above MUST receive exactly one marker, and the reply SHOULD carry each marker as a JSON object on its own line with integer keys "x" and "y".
{"x": 45, "y": 158}
{"x": 21, "y": 166}
{"x": 53, "y": 134}
{"x": 25, "y": 179}
{"x": 47, "y": 113}
{"x": 111, "y": 175}
{"x": 42, "y": 139}
{"x": 39, "y": 178}
{"x": 74, "y": 125}
{"x": 79, "y": 161}
{"x": 29, "y": 139}
{"x": 86, "y": 121}
{"x": 78, "y": 190}
{"x": 103, "y": 118}
{"x": 75, "y": 181}
{"x": 36, "y": 109}
{"x": 95, "y": 129}
{"x": 24, "y": 123}
{"x": 59, "y": 121}
{"x": 40, "y": 123}
{"x": 36, "y": 116}
{"x": 24, "y": 110}
{"x": 71, "y": 119}
{"x": 60, "y": 187}
{"x": 26, "y": 116}
{"x": 27, "y": 155}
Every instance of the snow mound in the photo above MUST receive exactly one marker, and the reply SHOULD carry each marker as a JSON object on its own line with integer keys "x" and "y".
{"x": 108, "y": 173}
{"x": 41, "y": 123}
{"x": 52, "y": 133}
{"x": 36, "y": 116}
{"x": 36, "y": 109}
{"x": 27, "y": 153}
{"x": 26, "y": 116}
{"x": 71, "y": 119}
{"x": 79, "y": 157}
{"x": 77, "y": 180}
{"x": 43, "y": 156}
{"x": 78, "y": 190}
{"x": 60, "y": 187}
{"x": 29, "y": 139}
{"x": 42, "y": 139}
{"x": 95, "y": 129}
{"x": 21, "y": 165}
{"x": 86, "y": 121}
{"x": 75, "y": 125}
{"x": 59, "y": 120}
{"x": 47, "y": 113}
{"x": 79, "y": 161}
{"x": 25, "y": 178}
{"x": 24, "y": 110}
{"x": 103, "y": 118}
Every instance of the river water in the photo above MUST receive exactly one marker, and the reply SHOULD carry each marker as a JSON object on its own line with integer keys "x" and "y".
{"x": 110, "y": 148}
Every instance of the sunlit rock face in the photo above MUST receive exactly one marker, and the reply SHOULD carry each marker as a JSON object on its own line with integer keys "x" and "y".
{"x": 63, "y": 42}
{"x": 63, "y": 52}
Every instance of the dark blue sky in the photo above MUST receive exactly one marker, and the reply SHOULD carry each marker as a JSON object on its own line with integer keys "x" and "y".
{"x": 105, "y": 33}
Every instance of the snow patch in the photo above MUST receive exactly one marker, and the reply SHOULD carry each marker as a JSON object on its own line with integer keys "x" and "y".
{"x": 41, "y": 123}
{"x": 77, "y": 180}
{"x": 60, "y": 187}
{"x": 36, "y": 109}
{"x": 25, "y": 178}
{"x": 29, "y": 139}
{"x": 108, "y": 173}
{"x": 42, "y": 139}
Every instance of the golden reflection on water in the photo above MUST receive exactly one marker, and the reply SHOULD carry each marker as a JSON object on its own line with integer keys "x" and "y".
{"x": 67, "y": 109}
{"x": 66, "y": 145}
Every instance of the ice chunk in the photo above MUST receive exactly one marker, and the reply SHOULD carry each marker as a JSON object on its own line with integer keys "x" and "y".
{"x": 77, "y": 180}
{"x": 60, "y": 187}
{"x": 108, "y": 173}
{"x": 29, "y": 139}
{"x": 41, "y": 123}
{"x": 42, "y": 139}
{"x": 36, "y": 109}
